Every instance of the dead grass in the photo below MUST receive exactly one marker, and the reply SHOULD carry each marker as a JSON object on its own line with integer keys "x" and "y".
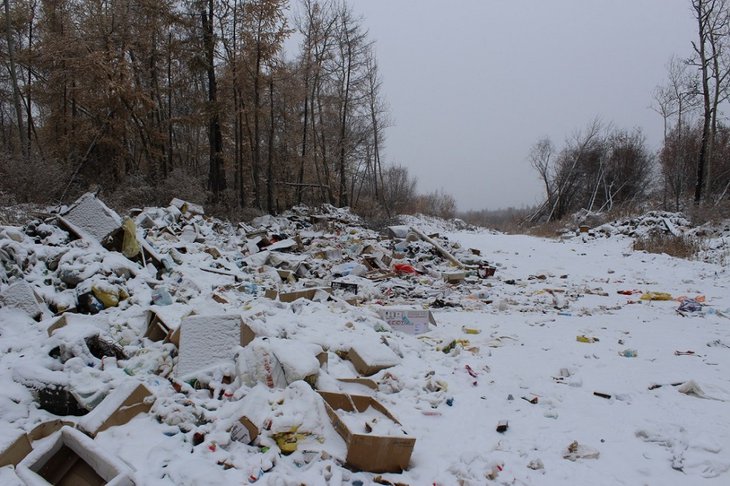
{"x": 677, "y": 246}
{"x": 552, "y": 229}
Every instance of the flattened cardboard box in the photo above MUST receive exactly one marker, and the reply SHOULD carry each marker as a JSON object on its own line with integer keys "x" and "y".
{"x": 365, "y": 452}
{"x": 410, "y": 321}
{"x": 72, "y": 459}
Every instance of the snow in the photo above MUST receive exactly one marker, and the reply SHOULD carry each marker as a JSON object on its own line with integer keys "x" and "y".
{"x": 658, "y": 418}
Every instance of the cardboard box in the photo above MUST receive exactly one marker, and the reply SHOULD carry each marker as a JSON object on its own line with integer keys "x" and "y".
{"x": 244, "y": 431}
{"x": 72, "y": 459}
{"x": 454, "y": 277}
{"x": 308, "y": 294}
{"x": 15, "y": 450}
{"x": 345, "y": 287}
{"x": 164, "y": 327}
{"x": 366, "y": 452}
{"x": 410, "y": 321}
{"x": 118, "y": 408}
{"x": 368, "y": 360}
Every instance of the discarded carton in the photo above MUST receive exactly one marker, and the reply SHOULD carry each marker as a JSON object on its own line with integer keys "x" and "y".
{"x": 279, "y": 362}
{"x": 118, "y": 408}
{"x": 187, "y": 207}
{"x": 368, "y": 452}
{"x": 308, "y": 294}
{"x": 164, "y": 324}
{"x": 21, "y": 296}
{"x": 410, "y": 321}
{"x": 73, "y": 459}
{"x": 345, "y": 287}
{"x": 244, "y": 431}
{"x": 89, "y": 218}
{"x": 15, "y": 449}
{"x": 207, "y": 341}
{"x": 454, "y": 277}
{"x": 369, "y": 359}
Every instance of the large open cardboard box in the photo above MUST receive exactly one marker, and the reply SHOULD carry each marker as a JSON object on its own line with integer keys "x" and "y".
{"x": 367, "y": 452}
{"x": 70, "y": 458}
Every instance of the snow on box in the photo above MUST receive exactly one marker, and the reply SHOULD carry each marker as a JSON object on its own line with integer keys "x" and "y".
{"x": 118, "y": 407}
{"x": 369, "y": 357}
{"x": 206, "y": 342}
{"x": 90, "y": 217}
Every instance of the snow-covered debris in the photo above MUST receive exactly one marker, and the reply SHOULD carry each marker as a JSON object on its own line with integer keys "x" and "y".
{"x": 21, "y": 296}
{"x": 507, "y": 327}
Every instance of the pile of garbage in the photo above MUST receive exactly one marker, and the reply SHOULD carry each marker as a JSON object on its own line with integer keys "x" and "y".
{"x": 245, "y": 343}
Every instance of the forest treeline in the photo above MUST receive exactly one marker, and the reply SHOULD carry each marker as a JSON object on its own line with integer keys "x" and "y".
{"x": 266, "y": 104}
{"x": 150, "y": 99}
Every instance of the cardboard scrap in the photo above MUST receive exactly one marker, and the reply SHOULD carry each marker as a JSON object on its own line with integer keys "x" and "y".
{"x": 118, "y": 408}
{"x": 244, "y": 431}
{"x": 410, "y": 321}
{"x": 15, "y": 450}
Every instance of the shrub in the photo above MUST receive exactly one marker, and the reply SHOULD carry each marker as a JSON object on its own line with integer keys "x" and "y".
{"x": 677, "y": 246}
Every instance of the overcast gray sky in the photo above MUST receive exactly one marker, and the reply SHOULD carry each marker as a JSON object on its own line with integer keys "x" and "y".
{"x": 472, "y": 84}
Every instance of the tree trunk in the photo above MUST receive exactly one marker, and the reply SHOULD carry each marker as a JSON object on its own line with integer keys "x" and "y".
{"x": 14, "y": 80}
{"x": 216, "y": 174}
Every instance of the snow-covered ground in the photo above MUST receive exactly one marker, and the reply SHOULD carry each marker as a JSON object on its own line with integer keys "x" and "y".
{"x": 519, "y": 358}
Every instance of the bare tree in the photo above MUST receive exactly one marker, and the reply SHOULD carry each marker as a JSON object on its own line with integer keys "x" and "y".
{"x": 712, "y": 34}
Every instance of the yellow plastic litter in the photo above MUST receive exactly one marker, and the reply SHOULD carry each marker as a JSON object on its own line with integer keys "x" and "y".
{"x": 130, "y": 245}
{"x": 108, "y": 297}
{"x": 656, "y": 296}
{"x": 470, "y": 330}
{"x": 288, "y": 441}
{"x": 585, "y": 339}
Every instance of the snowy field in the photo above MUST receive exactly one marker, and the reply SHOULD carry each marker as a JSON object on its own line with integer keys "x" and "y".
{"x": 597, "y": 385}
